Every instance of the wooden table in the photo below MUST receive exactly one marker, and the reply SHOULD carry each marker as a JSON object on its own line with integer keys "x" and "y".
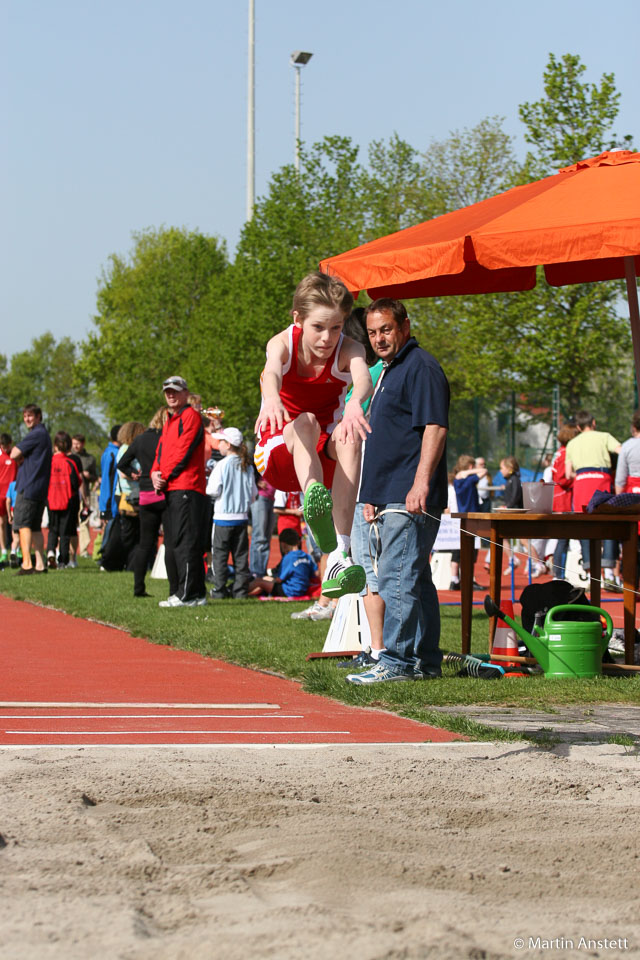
{"x": 505, "y": 525}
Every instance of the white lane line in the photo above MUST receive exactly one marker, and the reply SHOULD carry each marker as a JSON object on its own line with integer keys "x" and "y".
{"x": 125, "y": 704}
{"x": 352, "y": 745}
{"x": 165, "y": 733}
{"x": 151, "y": 716}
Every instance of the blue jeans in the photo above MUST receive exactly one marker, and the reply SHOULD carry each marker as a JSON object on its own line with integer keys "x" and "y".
{"x": 560, "y": 558}
{"x": 412, "y": 613}
{"x": 360, "y": 549}
{"x": 609, "y": 553}
{"x": 261, "y": 523}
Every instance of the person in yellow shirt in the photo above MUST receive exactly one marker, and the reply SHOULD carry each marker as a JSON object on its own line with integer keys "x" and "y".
{"x": 588, "y": 464}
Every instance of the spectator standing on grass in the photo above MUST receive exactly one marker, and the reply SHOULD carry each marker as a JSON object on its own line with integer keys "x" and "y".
{"x": 178, "y": 473}
{"x": 232, "y": 486}
{"x": 588, "y": 464}
{"x": 484, "y": 494}
{"x": 136, "y": 463}
{"x": 8, "y": 471}
{"x": 404, "y": 491}
{"x": 62, "y": 502}
{"x": 33, "y": 456}
{"x": 355, "y": 327}
{"x": 15, "y": 554}
{"x": 510, "y": 470}
{"x": 562, "y": 495}
{"x": 628, "y": 468}
{"x": 89, "y": 477}
{"x": 466, "y": 478}
{"x": 108, "y": 480}
{"x": 261, "y": 527}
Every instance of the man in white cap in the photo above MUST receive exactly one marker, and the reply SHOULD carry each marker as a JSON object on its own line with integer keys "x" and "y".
{"x": 178, "y": 472}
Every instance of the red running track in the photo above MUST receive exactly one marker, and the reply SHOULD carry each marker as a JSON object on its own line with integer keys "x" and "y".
{"x": 71, "y": 682}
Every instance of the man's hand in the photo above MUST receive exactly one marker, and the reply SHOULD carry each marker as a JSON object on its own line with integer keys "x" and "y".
{"x": 272, "y": 414}
{"x": 416, "y": 501}
{"x": 354, "y": 425}
{"x": 368, "y": 512}
{"x": 158, "y": 481}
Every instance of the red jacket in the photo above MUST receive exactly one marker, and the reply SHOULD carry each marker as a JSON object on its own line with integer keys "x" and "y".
{"x": 64, "y": 482}
{"x": 562, "y": 493}
{"x": 180, "y": 451}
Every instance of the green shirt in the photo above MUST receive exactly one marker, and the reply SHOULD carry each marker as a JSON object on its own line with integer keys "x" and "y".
{"x": 591, "y": 448}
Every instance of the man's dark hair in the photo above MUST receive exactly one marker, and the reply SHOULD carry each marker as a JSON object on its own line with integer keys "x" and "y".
{"x": 635, "y": 420}
{"x": 32, "y": 408}
{"x": 113, "y": 436}
{"x": 5, "y": 439}
{"x": 290, "y": 536}
{"x": 79, "y": 437}
{"x": 583, "y": 419}
{"x": 388, "y": 305}
{"x": 62, "y": 441}
{"x": 355, "y": 327}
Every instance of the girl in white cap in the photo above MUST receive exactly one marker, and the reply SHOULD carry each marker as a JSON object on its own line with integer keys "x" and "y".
{"x": 233, "y": 487}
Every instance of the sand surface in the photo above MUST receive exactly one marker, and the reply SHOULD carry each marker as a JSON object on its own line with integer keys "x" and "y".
{"x": 439, "y": 851}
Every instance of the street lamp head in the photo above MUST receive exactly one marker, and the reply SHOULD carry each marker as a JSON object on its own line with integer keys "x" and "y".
{"x": 299, "y": 58}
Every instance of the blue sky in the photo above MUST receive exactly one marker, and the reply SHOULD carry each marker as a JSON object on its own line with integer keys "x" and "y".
{"x": 124, "y": 115}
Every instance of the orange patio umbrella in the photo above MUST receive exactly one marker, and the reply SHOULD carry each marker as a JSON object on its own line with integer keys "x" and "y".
{"x": 581, "y": 225}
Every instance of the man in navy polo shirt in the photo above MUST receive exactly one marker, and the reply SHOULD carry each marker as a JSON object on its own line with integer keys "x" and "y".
{"x": 404, "y": 490}
{"x": 33, "y": 455}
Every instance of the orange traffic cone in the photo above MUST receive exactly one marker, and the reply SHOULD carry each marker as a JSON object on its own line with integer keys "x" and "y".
{"x": 505, "y": 641}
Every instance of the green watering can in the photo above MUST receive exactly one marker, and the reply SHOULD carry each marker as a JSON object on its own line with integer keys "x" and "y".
{"x": 564, "y": 648}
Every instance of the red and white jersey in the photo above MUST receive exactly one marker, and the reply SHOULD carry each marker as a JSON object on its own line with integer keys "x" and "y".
{"x": 323, "y": 395}
{"x": 8, "y": 471}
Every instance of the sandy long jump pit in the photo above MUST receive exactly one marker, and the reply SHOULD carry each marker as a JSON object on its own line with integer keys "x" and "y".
{"x": 468, "y": 850}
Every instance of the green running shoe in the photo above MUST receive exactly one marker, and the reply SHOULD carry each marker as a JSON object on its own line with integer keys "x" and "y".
{"x": 343, "y": 576}
{"x": 317, "y": 508}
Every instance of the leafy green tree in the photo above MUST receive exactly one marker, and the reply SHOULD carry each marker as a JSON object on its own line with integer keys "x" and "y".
{"x": 573, "y": 336}
{"x": 148, "y": 322}
{"x": 47, "y": 374}
{"x": 573, "y": 121}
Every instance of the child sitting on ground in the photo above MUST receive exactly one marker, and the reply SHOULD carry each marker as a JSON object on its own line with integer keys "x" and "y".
{"x": 293, "y": 574}
{"x": 305, "y": 431}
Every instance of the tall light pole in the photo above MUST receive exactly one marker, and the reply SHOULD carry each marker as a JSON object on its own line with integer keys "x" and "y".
{"x": 298, "y": 60}
{"x": 251, "y": 116}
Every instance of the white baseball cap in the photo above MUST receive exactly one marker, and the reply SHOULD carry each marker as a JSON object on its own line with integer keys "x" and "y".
{"x": 231, "y": 434}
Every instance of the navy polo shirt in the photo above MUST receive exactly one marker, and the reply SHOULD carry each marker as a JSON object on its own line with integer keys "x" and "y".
{"x": 413, "y": 392}
{"x": 35, "y": 470}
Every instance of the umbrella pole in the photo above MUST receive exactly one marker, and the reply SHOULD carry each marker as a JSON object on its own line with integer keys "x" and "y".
{"x": 634, "y": 312}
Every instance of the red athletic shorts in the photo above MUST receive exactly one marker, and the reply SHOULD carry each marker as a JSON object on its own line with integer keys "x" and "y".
{"x": 587, "y": 481}
{"x": 3, "y": 505}
{"x": 275, "y": 463}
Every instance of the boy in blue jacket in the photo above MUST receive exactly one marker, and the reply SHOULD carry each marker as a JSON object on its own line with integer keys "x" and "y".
{"x": 293, "y": 574}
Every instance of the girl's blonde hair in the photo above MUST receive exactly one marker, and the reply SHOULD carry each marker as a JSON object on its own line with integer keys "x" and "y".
{"x": 129, "y": 431}
{"x": 511, "y": 465}
{"x": 320, "y": 290}
{"x": 158, "y": 420}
